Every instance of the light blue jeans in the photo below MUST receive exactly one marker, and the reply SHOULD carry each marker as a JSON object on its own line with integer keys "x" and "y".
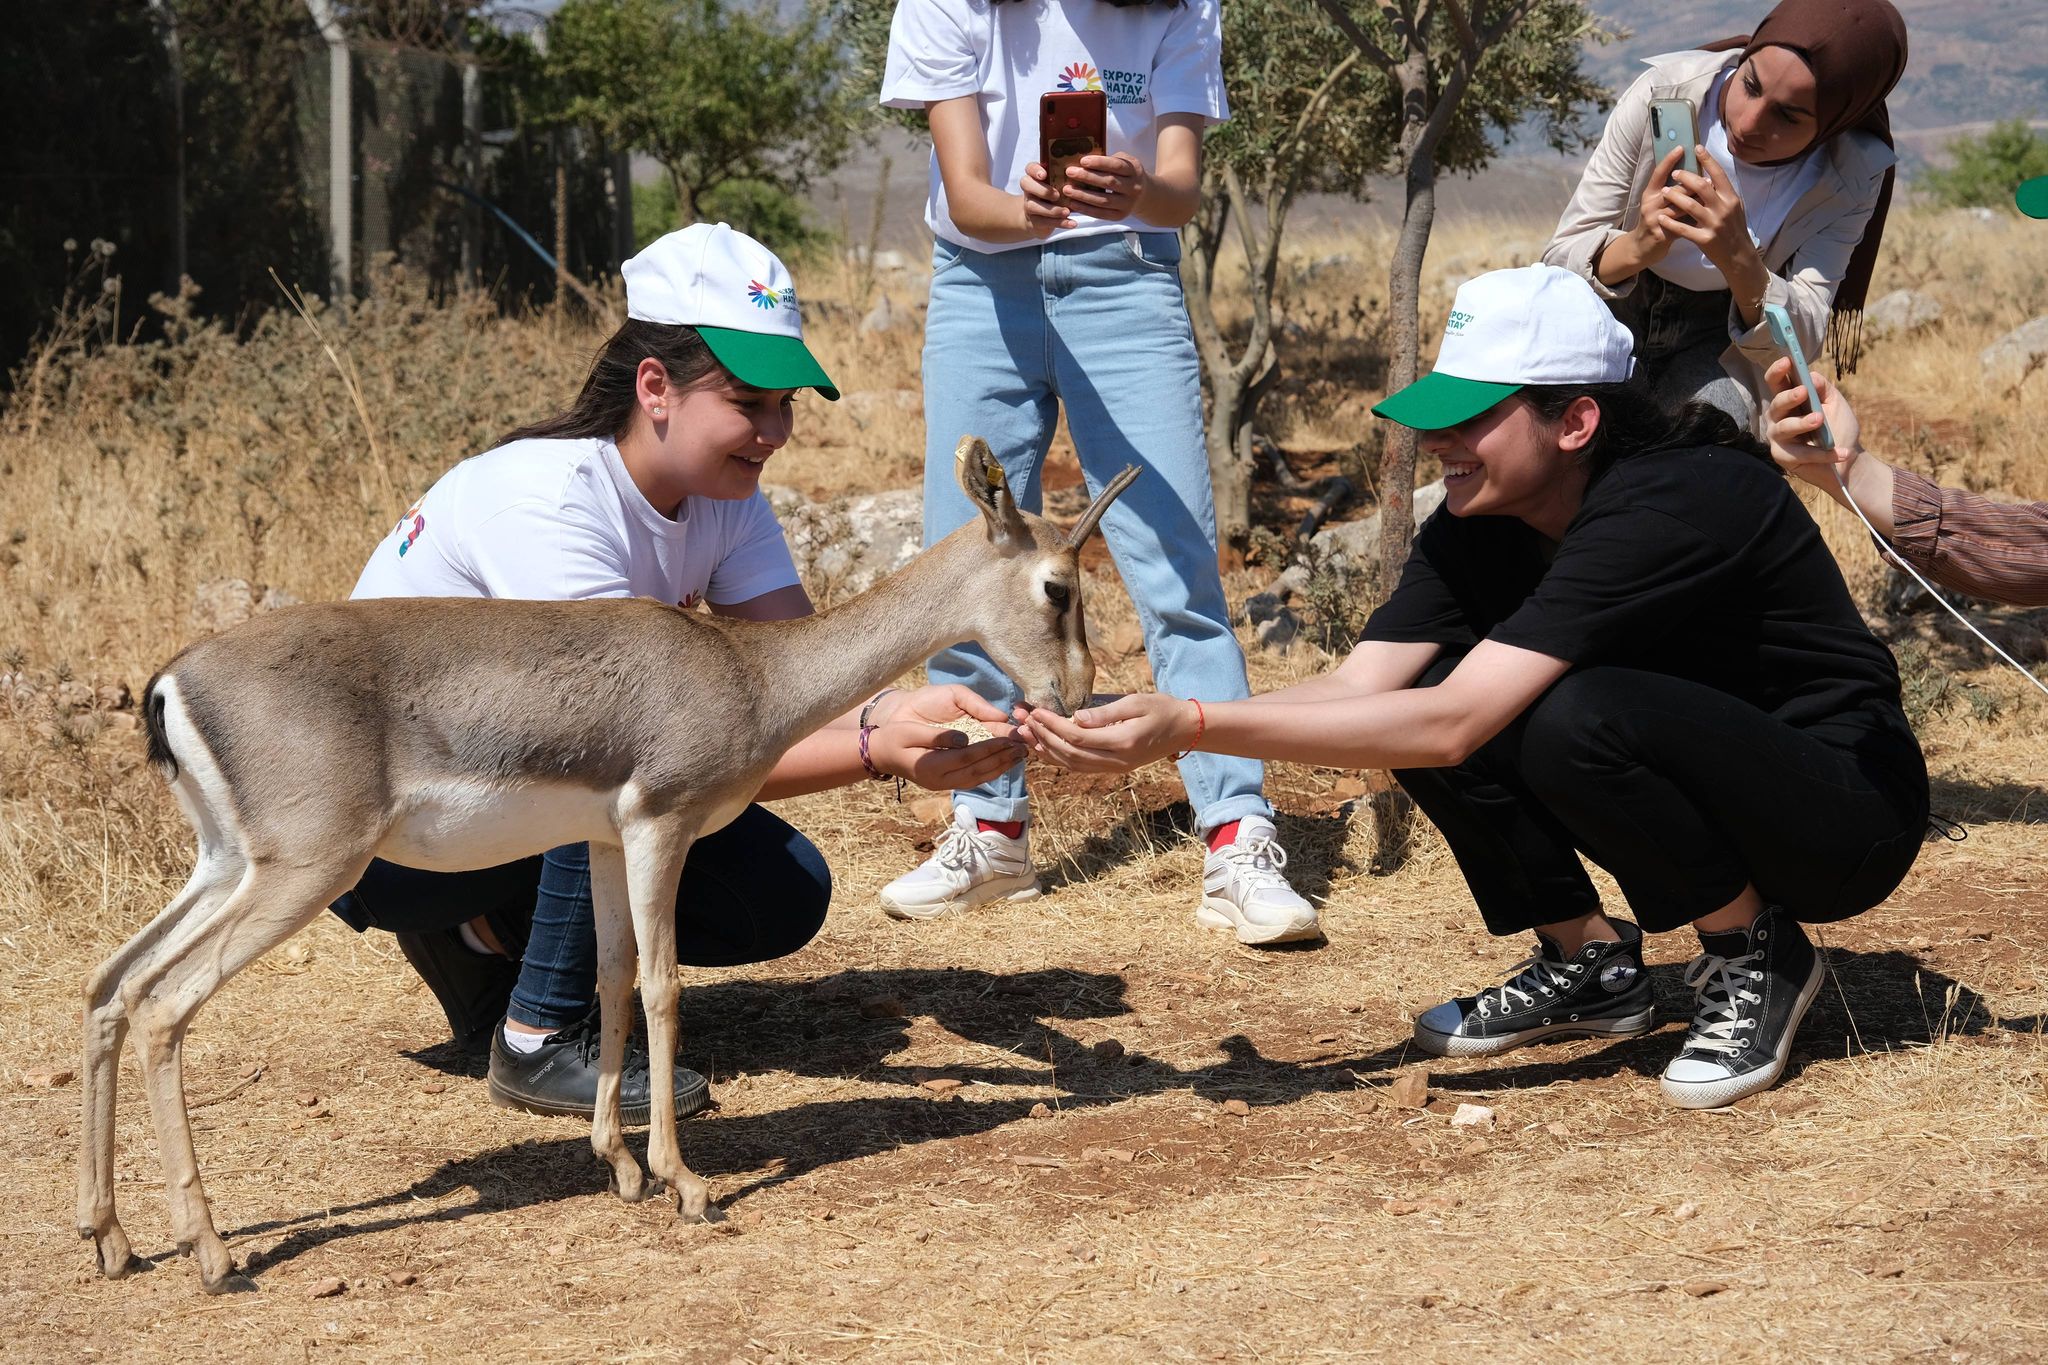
{"x": 1097, "y": 323}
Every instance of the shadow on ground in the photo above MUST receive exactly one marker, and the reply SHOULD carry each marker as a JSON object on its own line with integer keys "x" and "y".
{"x": 847, "y": 1025}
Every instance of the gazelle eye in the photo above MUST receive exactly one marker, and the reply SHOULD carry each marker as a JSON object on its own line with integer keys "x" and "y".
{"x": 1059, "y": 594}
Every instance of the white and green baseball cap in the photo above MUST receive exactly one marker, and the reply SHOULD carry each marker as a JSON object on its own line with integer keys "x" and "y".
{"x": 1534, "y": 325}
{"x": 738, "y": 296}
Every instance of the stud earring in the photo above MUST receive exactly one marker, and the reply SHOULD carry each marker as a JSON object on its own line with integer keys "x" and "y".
{"x": 659, "y": 411}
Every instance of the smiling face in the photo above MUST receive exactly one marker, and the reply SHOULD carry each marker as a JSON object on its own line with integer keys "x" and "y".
{"x": 1769, "y": 106}
{"x": 708, "y": 439}
{"x": 1508, "y": 462}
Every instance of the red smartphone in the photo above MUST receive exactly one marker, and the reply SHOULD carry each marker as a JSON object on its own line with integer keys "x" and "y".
{"x": 1071, "y": 124}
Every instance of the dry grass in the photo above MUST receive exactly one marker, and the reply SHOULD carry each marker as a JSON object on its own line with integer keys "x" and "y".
{"x": 1886, "y": 1202}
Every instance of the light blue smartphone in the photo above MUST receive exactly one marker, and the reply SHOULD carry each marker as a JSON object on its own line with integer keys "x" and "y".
{"x": 1674, "y": 124}
{"x": 1780, "y": 323}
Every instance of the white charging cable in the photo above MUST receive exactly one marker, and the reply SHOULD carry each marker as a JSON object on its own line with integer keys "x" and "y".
{"x": 1899, "y": 562}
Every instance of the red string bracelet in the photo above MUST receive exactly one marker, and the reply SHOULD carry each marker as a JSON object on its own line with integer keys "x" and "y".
{"x": 867, "y": 761}
{"x": 1201, "y": 728}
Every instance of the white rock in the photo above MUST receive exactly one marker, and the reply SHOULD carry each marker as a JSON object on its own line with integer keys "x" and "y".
{"x": 881, "y": 318}
{"x": 2018, "y": 352}
{"x": 1898, "y": 313}
{"x": 220, "y": 603}
{"x": 848, "y": 545}
{"x": 1472, "y": 1116}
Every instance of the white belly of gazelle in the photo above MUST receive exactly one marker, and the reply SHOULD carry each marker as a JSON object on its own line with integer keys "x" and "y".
{"x": 455, "y": 826}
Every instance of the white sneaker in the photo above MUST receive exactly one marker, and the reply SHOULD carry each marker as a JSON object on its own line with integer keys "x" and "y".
{"x": 970, "y": 867}
{"x": 1243, "y": 888}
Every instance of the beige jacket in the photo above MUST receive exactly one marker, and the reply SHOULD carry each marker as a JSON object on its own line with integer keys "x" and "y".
{"x": 1808, "y": 256}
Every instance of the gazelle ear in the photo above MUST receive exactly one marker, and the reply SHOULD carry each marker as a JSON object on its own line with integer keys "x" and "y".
{"x": 982, "y": 478}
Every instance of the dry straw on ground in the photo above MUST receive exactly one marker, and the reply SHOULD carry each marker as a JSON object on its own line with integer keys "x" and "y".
{"x": 1238, "y": 1177}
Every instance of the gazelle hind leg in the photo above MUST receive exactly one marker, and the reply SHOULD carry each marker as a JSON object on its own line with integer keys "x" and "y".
{"x": 271, "y": 903}
{"x": 654, "y": 853}
{"x": 615, "y": 962}
{"x": 105, "y": 1028}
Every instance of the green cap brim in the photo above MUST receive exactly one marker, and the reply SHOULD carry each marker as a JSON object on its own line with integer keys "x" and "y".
{"x": 768, "y": 361}
{"x": 1436, "y": 401}
{"x": 2032, "y": 197}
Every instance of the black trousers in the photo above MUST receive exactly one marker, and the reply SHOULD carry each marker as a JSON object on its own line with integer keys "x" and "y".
{"x": 753, "y": 891}
{"x": 1685, "y": 794}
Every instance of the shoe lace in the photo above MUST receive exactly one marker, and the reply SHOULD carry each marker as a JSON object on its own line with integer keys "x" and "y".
{"x": 586, "y": 1035}
{"x": 1259, "y": 860}
{"x": 1721, "y": 989}
{"x": 1532, "y": 976}
{"x": 958, "y": 848}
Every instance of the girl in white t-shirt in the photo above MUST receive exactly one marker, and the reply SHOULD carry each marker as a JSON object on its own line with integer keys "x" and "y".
{"x": 1046, "y": 297}
{"x": 648, "y": 485}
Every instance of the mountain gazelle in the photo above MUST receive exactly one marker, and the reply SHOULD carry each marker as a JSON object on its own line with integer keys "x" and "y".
{"x": 450, "y": 734}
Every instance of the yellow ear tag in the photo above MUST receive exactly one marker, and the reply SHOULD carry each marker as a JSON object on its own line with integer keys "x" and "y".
{"x": 993, "y": 472}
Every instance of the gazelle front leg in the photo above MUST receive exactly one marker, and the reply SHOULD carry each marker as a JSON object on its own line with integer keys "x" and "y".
{"x": 655, "y": 851}
{"x": 612, "y": 910}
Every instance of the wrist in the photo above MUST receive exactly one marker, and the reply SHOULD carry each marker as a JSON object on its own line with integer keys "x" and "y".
{"x": 1190, "y": 725}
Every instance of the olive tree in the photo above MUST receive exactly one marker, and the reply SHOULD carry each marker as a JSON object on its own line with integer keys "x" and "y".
{"x": 1457, "y": 73}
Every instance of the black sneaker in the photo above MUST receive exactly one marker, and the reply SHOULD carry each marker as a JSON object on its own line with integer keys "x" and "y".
{"x": 473, "y": 988}
{"x": 1601, "y": 991}
{"x": 560, "y": 1076}
{"x": 1753, "y": 988}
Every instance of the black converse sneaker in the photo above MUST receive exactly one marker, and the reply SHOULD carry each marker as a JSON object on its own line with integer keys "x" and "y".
{"x": 1601, "y": 991}
{"x": 560, "y": 1076}
{"x": 1753, "y": 988}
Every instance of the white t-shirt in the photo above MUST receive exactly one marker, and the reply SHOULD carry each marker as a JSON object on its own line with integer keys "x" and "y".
{"x": 1767, "y": 193}
{"x": 1148, "y": 59}
{"x": 562, "y": 519}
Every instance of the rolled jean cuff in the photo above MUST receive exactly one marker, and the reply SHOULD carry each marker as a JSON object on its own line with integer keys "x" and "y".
{"x": 1233, "y": 808}
{"x": 1003, "y": 809}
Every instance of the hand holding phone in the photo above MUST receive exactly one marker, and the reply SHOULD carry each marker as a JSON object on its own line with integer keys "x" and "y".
{"x": 1072, "y": 124}
{"x": 1675, "y": 126}
{"x": 1780, "y": 323}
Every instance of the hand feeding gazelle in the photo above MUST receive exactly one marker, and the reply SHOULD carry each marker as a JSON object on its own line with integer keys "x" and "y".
{"x": 459, "y": 733}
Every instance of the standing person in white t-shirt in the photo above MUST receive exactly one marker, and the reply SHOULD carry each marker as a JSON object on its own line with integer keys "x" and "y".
{"x": 1044, "y": 297}
{"x": 648, "y": 485}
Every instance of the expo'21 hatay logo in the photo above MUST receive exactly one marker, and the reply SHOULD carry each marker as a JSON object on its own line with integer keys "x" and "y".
{"x": 764, "y": 297}
{"x": 1122, "y": 87}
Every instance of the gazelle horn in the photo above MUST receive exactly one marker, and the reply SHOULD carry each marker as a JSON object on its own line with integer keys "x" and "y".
{"x": 1085, "y": 527}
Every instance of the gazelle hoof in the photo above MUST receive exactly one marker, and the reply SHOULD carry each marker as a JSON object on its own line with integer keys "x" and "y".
{"x": 217, "y": 1271}
{"x": 111, "y": 1250}
{"x": 632, "y": 1187}
{"x": 693, "y": 1204}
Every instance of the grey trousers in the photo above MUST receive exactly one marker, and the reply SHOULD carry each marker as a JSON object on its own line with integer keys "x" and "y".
{"x": 1680, "y": 334}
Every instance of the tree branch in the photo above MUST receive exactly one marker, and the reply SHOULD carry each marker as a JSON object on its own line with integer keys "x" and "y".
{"x": 1341, "y": 17}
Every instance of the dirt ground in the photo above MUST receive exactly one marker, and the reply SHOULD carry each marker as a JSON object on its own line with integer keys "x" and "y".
{"x": 1161, "y": 1146}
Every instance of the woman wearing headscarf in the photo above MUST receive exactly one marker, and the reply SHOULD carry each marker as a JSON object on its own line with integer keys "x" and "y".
{"x": 1795, "y": 161}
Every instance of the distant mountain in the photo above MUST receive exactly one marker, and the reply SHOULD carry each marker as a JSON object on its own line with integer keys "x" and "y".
{"x": 1972, "y": 61}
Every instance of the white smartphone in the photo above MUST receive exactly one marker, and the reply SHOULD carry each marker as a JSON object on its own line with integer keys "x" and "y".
{"x": 1674, "y": 124}
{"x": 1780, "y": 323}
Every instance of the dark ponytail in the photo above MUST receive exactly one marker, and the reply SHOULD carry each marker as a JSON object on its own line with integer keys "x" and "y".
{"x": 610, "y": 392}
{"x": 1633, "y": 422}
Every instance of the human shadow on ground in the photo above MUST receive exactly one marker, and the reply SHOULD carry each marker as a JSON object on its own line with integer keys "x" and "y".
{"x": 845, "y": 1026}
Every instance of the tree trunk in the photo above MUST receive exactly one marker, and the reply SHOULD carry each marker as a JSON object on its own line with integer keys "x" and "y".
{"x": 561, "y": 142}
{"x": 686, "y": 198}
{"x": 1202, "y": 241}
{"x": 1404, "y": 300}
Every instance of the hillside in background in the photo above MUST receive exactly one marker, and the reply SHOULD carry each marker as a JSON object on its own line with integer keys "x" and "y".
{"x": 1972, "y": 62}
